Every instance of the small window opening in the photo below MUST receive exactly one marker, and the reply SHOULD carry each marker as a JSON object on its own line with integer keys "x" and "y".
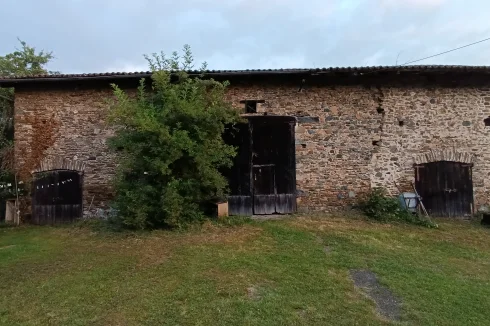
{"x": 380, "y": 110}
{"x": 376, "y": 142}
{"x": 487, "y": 122}
{"x": 401, "y": 123}
{"x": 251, "y": 105}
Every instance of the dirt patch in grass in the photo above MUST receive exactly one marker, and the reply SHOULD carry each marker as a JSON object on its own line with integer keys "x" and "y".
{"x": 335, "y": 223}
{"x": 387, "y": 304}
{"x": 154, "y": 248}
{"x": 7, "y": 247}
{"x": 253, "y": 293}
{"x": 211, "y": 233}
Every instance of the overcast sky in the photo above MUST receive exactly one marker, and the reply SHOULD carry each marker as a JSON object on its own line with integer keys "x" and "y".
{"x": 112, "y": 35}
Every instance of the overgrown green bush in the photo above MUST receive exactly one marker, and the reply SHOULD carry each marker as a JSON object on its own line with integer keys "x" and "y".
{"x": 170, "y": 144}
{"x": 381, "y": 207}
{"x": 110, "y": 224}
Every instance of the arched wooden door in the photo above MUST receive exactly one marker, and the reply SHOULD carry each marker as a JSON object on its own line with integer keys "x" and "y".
{"x": 57, "y": 197}
{"x": 446, "y": 188}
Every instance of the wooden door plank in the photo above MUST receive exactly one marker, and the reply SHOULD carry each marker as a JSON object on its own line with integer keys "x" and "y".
{"x": 446, "y": 188}
{"x": 285, "y": 203}
{"x": 55, "y": 202}
{"x": 240, "y": 205}
{"x": 264, "y": 204}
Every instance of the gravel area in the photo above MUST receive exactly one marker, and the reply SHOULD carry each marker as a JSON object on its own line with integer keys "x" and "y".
{"x": 387, "y": 304}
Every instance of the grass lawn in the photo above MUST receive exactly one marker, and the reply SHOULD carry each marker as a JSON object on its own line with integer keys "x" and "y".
{"x": 289, "y": 272}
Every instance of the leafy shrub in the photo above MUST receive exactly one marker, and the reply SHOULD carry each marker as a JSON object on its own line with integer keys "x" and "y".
{"x": 381, "y": 207}
{"x": 169, "y": 141}
{"x": 110, "y": 224}
{"x": 482, "y": 218}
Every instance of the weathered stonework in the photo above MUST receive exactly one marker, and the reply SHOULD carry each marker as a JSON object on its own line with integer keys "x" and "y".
{"x": 74, "y": 122}
{"x": 444, "y": 155}
{"x": 50, "y": 163}
{"x": 439, "y": 124}
{"x": 334, "y": 134}
{"x": 348, "y": 138}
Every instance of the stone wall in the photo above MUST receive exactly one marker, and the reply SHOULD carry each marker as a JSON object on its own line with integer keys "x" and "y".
{"x": 334, "y": 135}
{"x": 51, "y": 126}
{"x": 429, "y": 124}
{"x": 348, "y": 138}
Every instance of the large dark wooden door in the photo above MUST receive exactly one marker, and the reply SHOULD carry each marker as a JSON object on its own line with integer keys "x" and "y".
{"x": 240, "y": 200}
{"x": 264, "y": 189}
{"x": 273, "y": 165}
{"x": 446, "y": 188}
{"x": 57, "y": 197}
{"x": 263, "y": 177}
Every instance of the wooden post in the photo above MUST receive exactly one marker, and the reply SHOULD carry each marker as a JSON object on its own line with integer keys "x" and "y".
{"x": 10, "y": 211}
{"x": 17, "y": 209}
{"x": 222, "y": 209}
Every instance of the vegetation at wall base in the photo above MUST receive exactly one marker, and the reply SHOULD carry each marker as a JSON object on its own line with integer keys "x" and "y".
{"x": 381, "y": 207}
{"x": 169, "y": 140}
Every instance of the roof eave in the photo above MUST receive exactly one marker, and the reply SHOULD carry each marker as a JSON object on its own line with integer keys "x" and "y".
{"x": 16, "y": 81}
{"x": 12, "y": 82}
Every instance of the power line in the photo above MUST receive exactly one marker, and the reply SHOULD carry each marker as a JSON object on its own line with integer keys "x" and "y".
{"x": 431, "y": 56}
{"x": 438, "y": 54}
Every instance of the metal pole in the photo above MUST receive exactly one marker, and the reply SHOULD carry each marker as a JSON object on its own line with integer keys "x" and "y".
{"x": 17, "y": 211}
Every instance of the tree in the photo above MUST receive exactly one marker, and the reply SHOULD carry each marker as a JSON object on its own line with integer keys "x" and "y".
{"x": 22, "y": 62}
{"x": 170, "y": 142}
{"x": 25, "y": 62}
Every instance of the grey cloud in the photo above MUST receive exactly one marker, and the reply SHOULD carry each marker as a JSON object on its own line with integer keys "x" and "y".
{"x": 94, "y": 35}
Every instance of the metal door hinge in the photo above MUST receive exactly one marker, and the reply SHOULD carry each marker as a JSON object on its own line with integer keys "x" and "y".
{"x": 450, "y": 190}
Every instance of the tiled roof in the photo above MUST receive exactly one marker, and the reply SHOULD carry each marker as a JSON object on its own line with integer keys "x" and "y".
{"x": 360, "y": 70}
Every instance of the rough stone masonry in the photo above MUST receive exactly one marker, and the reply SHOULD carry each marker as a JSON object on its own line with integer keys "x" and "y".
{"x": 349, "y": 137}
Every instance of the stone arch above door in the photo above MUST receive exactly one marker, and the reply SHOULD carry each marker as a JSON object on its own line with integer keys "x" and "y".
{"x": 50, "y": 163}
{"x": 444, "y": 155}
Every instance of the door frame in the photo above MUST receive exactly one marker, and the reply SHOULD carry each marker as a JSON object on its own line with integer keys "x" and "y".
{"x": 81, "y": 174}
{"x": 470, "y": 166}
{"x": 290, "y": 122}
{"x": 244, "y": 203}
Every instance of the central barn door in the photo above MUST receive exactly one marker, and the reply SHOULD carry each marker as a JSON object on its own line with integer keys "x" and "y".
{"x": 273, "y": 165}
{"x": 446, "y": 188}
{"x": 263, "y": 177}
{"x": 240, "y": 200}
{"x": 56, "y": 197}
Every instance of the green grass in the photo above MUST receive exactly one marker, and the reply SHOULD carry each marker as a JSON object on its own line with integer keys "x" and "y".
{"x": 261, "y": 273}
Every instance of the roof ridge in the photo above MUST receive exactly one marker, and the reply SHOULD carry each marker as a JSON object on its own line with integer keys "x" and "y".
{"x": 249, "y": 71}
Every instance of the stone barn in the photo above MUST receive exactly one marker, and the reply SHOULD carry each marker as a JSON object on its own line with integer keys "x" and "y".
{"x": 317, "y": 139}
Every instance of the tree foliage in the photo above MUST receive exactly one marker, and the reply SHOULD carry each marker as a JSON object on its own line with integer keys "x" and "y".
{"x": 169, "y": 138}
{"x": 25, "y": 61}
